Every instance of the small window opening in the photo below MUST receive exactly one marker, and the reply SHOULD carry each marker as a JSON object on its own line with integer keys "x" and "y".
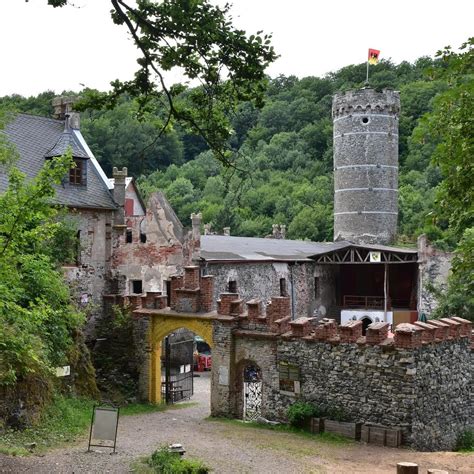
{"x": 142, "y": 237}
{"x": 365, "y": 120}
{"x": 289, "y": 375}
{"x": 168, "y": 292}
{"x": 316, "y": 287}
{"x": 232, "y": 286}
{"x": 283, "y": 289}
{"x": 137, "y": 287}
{"x": 129, "y": 236}
{"x": 77, "y": 175}
{"x": 77, "y": 248}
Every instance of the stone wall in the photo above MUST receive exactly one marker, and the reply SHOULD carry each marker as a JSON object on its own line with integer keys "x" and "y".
{"x": 434, "y": 268}
{"x": 262, "y": 281}
{"x": 88, "y": 278}
{"x": 419, "y": 380}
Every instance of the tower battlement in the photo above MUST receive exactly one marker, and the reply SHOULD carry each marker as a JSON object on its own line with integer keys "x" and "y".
{"x": 366, "y": 101}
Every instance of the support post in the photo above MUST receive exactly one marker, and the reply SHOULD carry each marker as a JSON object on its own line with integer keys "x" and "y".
{"x": 384, "y": 290}
{"x": 167, "y": 370}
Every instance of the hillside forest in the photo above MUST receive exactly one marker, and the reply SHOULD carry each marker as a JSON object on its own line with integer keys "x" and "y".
{"x": 283, "y": 169}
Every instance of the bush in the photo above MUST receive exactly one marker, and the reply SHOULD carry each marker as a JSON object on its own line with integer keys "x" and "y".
{"x": 300, "y": 412}
{"x": 465, "y": 441}
{"x": 165, "y": 462}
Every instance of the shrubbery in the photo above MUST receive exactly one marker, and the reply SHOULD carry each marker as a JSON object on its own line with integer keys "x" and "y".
{"x": 300, "y": 412}
{"x": 165, "y": 462}
{"x": 465, "y": 441}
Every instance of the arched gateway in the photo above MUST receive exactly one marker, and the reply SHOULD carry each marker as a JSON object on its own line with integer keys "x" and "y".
{"x": 160, "y": 325}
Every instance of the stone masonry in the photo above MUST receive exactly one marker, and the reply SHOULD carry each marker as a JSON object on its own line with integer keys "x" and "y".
{"x": 419, "y": 380}
{"x": 366, "y": 165}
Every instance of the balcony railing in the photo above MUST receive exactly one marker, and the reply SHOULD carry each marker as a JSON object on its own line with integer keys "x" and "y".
{"x": 373, "y": 302}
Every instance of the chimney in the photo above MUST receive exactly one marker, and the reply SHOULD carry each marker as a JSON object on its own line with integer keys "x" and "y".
{"x": 119, "y": 194}
{"x": 226, "y": 231}
{"x": 196, "y": 221}
{"x": 282, "y": 231}
{"x": 275, "y": 231}
{"x": 62, "y": 106}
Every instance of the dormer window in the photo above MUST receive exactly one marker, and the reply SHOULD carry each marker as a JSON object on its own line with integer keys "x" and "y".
{"x": 77, "y": 174}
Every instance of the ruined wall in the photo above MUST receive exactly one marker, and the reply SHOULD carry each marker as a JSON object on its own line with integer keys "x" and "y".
{"x": 421, "y": 380}
{"x": 88, "y": 279}
{"x": 154, "y": 260}
{"x": 434, "y": 268}
{"x": 325, "y": 295}
{"x": 262, "y": 281}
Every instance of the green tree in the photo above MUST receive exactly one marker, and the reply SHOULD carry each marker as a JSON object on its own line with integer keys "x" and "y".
{"x": 199, "y": 39}
{"x": 452, "y": 122}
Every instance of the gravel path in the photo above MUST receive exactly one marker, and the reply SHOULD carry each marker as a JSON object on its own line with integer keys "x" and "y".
{"x": 227, "y": 448}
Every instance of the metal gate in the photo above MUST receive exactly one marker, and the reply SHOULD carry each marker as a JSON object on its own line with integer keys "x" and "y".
{"x": 177, "y": 382}
{"x": 252, "y": 392}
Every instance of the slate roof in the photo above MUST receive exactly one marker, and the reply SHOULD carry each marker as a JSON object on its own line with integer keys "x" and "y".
{"x": 221, "y": 248}
{"x": 38, "y": 137}
{"x": 67, "y": 140}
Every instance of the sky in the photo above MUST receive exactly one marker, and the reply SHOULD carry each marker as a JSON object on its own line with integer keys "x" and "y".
{"x": 42, "y": 48}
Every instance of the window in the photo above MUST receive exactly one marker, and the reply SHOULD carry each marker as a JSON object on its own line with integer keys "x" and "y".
{"x": 142, "y": 237}
{"x": 77, "y": 175}
{"x": 128, "y": 236}
{"x": 137, "y": 287}
{"x": 77, "y": 248}
{"x": 316, "y": 287}
{"x": 289, "y": 375}
{"x": 232, "y": 286}
{"x": 283, "y": 291}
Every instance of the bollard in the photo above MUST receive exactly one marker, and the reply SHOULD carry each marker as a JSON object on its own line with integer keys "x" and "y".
{"x": 407, "y": 468}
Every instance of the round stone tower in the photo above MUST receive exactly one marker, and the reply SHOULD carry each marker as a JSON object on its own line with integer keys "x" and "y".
{"x": 366, "y": 165}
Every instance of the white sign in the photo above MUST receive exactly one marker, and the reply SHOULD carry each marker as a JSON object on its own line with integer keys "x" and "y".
{"x": 63, "y": 371}
{"x": 375, "y": 257}
{"x": 223, "y": 375}
{"x": 105, "y": 424}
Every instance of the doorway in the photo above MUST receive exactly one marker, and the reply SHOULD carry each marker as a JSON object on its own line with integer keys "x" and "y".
{"x": 252, "y": 377}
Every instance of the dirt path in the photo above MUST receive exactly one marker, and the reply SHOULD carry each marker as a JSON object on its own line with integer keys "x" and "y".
{"x": 228, "y": 448}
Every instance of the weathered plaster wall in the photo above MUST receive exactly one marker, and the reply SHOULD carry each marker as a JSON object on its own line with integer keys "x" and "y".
{"x": 325, "y": 303}
{"x": 434, "y": 268}
{"x": 88, "y": 279}
{"x": 155, "y": 260}
{"x": 262, "y": 281}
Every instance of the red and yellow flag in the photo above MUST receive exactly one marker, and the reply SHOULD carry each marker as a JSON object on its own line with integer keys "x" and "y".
{"x": 373, "y": 56}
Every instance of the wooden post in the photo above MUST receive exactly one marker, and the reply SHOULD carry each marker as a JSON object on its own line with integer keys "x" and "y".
{"x": 407, "y": 468}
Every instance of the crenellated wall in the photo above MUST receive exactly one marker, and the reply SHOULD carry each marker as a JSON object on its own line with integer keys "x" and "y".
{"x": 418, "y": 379}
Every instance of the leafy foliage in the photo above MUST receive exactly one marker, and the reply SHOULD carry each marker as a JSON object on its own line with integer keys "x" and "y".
{"x": 165, "y": 462}
{"x": 197, "y": 38}
{"x": 36, "y": 314}
{"x": 465, "y": 441}
{"x": 299, "y": 413}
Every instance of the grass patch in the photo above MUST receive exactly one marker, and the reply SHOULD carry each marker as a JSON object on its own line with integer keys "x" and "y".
{"x": 164, "y": 462}
{"x": 324, "y": 437}
{"x": 63, "y": 422}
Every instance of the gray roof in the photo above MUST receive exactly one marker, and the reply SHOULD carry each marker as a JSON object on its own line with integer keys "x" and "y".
{"x": 67, "y": 140}
{"x": 222, "y": 248}
{"x": 36, "y": 137}
{"x": 225, "y": 248}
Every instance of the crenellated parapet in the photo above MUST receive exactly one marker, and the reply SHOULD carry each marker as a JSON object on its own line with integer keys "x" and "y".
{"x": 366, "y": 101}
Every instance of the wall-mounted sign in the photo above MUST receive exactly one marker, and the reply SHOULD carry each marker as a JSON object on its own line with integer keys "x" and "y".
{"x": 375, "y": 257}
{"x": 63, "y": 371}
{"x": 104, "y": 427}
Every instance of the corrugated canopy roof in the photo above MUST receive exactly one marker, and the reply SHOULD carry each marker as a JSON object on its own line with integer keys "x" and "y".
{"x": 227, "y": 248}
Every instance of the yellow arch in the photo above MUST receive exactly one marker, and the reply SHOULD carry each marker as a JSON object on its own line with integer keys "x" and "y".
{"x": 161, "y": 326}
